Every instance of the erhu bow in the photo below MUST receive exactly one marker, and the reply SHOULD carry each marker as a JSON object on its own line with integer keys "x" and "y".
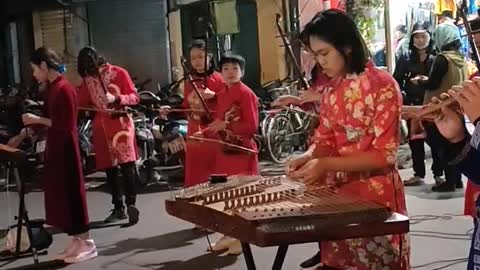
{"x": 230, "y": 142}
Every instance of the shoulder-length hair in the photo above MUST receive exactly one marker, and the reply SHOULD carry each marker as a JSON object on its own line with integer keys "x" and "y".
{"x": 337, "y": 28}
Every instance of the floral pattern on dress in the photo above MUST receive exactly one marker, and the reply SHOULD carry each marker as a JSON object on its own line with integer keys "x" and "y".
{"x": 362, "y": 113}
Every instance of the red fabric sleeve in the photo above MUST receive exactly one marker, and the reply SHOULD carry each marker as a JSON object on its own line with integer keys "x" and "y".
{"x": 248, "y": 124}
{"x": 128, "y": 91}
{"x": 388, "y": 104}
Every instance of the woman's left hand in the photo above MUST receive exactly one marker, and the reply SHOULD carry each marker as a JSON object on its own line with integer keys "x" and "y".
{"x": 31, "y": 119}
{"x": 111, "y": 98}
{"x": 310, "y": 95}
{"x": 208, "y": 94}
{"x": 217, "y": 125}
{"x": 311, "y": 172}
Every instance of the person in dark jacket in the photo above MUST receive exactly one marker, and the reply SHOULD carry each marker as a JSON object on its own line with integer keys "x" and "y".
{"x": 417, "y": 61}
{"x": 448, "y": 69}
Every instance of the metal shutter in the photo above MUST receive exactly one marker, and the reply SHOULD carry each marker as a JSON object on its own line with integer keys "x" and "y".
{"x": 56, "y": 28}
{"x": 134, "y": 35}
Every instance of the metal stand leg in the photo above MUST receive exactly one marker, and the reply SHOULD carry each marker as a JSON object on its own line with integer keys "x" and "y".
{"x": 280, "y": 257}
{"x": 22, "y": 217}
{"x": 247, "y": 253}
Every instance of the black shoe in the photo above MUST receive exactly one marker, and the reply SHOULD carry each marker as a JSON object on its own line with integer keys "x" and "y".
{"x": 312, "y": 263}
{"x": 133, "y": 214}
{"x": 115, "y": 216}
{"x": 444, "y": 187}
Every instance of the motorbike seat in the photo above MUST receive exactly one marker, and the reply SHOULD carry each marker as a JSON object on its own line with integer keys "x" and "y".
{"x": 149, "y": 97}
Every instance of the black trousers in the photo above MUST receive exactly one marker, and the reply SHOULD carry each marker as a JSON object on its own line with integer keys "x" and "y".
{"x": 417, "y": 147}
{"x": 440, "y": 155}
{"x": 116, "y": 184}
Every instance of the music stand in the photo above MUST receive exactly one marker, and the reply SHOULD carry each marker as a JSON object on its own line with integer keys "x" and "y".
{"x": 13, "y": 157}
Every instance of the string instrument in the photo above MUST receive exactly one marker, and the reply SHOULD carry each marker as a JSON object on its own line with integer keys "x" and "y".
{"x": 302, "y": 79}
{"x": 232, "y": 144}
{"x": 207, "y": 116}
{"x": 277, "y": 211}
{"x": 432, "y": 109}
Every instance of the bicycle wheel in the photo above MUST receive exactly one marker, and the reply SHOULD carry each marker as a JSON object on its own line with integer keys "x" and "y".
{"x": 279, "y": 141}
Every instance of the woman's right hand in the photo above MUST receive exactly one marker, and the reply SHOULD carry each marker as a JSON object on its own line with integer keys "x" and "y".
{"x": 208, "y": 94}
{"x": 286, "y": 101}
{"x": 296, "y": 163}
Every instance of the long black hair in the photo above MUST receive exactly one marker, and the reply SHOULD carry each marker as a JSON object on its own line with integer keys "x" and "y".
{"x": 49, "y": 56}
{"x": 202, "y": 45}
{"x": 337, "y": 28}
{"x": 89, "y": 61}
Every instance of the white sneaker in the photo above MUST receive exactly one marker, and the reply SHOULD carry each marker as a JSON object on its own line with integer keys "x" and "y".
{"x": 222, "y": 244}
{"x": 70, "y": 250}
{"x": 86, "y": 251}
{"x": 235, "y": 248}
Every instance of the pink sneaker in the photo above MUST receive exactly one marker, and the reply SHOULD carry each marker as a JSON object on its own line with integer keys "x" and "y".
{"x": 68, "y": 251}
{"x": 86, "y": 251}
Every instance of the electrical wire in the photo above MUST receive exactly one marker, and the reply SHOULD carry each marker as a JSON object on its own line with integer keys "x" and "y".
{"x": 450, "y": 263}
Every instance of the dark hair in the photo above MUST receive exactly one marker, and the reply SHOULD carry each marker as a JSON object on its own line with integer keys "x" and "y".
{"x": 452, "y": 46}
{"x": 401, "y": 28}
{"x": 89, "y": 61}
{"x": 339, "y": 29}
{"x": 447, "y": 14}
{"x": 232, "y": 59}
{"x": 202, "y": 45}
{"x": 413, "y": 50}
{"x": 48, "y": 56}
{"x": 475, "y": 23}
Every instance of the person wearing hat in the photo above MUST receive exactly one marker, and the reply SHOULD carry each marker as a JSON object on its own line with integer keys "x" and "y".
{"x": 415, "y": 62}
{"x": 448, "y": 69}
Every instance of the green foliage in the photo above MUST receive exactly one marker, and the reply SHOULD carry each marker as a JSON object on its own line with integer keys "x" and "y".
{"x": 365, "y": 13}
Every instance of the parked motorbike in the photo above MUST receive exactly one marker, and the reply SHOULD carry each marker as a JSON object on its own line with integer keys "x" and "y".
{"x": 161, "y": 140}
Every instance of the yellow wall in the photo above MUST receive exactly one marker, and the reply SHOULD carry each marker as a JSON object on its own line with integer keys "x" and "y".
{"x": 175, "y": 28}
{"x": 272, "y": 52}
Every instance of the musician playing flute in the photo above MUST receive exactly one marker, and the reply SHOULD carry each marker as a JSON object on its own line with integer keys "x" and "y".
{"x": 107, "y": 86}
{"x": 472, "y": 190}
{"x": 356, "y": 142}
{"x": 464, "y": 148}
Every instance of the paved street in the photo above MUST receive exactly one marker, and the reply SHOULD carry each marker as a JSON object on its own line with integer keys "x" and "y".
{"x": 439, "y": 235}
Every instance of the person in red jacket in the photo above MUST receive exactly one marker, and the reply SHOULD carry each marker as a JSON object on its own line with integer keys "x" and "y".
{"x": 106, "y": 87}
{"x": 199, "y": 161}
{"x": 236, "y": 122}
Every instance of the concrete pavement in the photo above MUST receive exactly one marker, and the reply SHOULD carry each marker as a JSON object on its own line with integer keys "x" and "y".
{"x": 439, "y": 236}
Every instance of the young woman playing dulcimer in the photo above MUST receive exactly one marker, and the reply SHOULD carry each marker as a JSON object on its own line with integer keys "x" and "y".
{"x": 356, "y": 142}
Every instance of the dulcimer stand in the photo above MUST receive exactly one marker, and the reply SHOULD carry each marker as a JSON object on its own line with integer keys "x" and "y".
{"x": 13, "y": 158}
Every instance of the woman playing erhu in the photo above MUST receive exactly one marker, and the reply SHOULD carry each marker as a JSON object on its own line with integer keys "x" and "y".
{"x": 356, "y": 142}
